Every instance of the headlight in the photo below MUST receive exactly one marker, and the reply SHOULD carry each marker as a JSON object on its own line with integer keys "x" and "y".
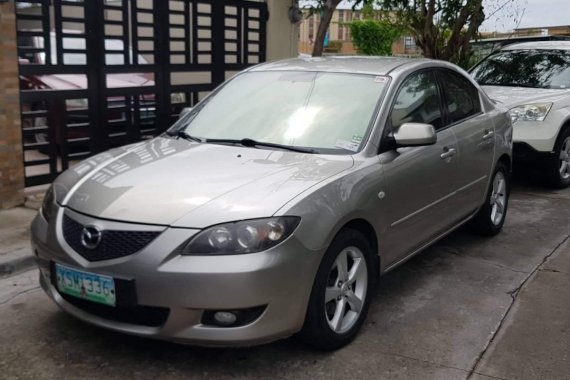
{"x": 47, "y": 205}
{"x": 247, "y": 236}
{"x": 530, "y": 112}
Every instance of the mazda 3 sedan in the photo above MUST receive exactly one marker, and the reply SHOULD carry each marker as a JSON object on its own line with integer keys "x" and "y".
{"x": 272, "y": 207}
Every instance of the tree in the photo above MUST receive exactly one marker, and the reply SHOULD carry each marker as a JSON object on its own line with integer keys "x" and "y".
{"x": 326, "y": 9}
{"x": 374, "y": 37}
{"x": 442, "y": 28}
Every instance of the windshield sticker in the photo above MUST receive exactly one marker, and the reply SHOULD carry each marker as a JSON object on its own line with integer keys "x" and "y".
{"x": 348, "y": 145}
{"x": 381, "y": 79}
{"x": 356, "y": 139}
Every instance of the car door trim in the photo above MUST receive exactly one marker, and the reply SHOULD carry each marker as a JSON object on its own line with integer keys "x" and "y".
{"x": 461, "y": 189}
{"x": 429, "y": 243}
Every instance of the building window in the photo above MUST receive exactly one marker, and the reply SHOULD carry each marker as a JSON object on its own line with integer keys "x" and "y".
{"x": 340, "y": 25}
{"x": 311, "y": 28}
{"x": 409, "y": 43}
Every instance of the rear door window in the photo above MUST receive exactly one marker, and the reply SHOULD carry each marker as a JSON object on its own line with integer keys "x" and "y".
{"x": 461, "y": 97}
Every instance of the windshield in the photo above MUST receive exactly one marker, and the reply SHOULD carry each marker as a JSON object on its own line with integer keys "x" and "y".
{"x": 315, "y": 110}
{"x": 525, "y": 68}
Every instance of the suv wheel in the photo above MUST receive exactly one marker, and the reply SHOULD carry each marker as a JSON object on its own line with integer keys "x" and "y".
{"x": 558, "y": 170}
{"x": 341, "y": 292}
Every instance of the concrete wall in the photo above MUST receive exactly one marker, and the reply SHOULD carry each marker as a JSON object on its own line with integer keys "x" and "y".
{"x": 11, "y": 165}
{"x": 282, "y": 36}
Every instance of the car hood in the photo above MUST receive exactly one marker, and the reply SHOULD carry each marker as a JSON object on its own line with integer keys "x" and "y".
{"x": 515, "y": 96}
{"x": 175, "y": 182}
{"x": 76, "y": 81}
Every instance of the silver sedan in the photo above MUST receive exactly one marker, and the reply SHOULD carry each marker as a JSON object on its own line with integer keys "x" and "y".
{"x": 273, "y": 206}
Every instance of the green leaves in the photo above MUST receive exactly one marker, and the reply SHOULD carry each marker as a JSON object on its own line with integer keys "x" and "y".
{"x": 374, "y": 37}
{"x": 442, "y": 28}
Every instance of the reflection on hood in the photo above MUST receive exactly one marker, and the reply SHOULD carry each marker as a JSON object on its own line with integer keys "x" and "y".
{"x": 163, "y": 180}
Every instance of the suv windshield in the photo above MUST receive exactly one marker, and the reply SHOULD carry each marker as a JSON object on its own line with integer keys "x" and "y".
{"x": 525, "y": 68}
{"x": 318, "y": 110}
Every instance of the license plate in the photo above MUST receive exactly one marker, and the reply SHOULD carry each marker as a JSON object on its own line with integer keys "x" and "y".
{"x": 88, "y": 286}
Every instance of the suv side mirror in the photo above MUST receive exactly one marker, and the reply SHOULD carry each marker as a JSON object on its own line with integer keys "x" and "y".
{"x": 415, "y": 134}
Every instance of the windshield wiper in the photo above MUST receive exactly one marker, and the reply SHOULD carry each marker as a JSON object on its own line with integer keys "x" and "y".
{"x": 252, "y": 144}
{"x": 182, "y": 134}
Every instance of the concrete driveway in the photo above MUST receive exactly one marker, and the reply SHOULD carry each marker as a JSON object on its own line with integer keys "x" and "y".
{"x": 469, "y": 307}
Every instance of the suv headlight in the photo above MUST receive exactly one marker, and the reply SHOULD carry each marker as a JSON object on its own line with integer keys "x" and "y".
{"x": 246, "y": 236}
{"x": 530, "y": 112}
{"x": 47, "y": 205}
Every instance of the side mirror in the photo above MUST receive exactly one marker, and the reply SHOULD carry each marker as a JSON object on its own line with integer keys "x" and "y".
{"x": 415, "y": 134}
{"x": 185, "y": 111}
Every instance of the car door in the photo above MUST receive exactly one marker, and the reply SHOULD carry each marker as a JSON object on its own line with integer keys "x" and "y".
{"x": 474, "y": 131}
{"x": 419, "y": 181}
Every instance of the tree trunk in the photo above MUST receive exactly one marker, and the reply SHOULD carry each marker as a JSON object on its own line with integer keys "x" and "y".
{"x": 327, "y": 13}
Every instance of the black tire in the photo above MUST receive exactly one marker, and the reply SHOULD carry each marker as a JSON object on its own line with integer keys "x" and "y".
{"x": 483, "y": 223}
{"x": 553, "y": 175}
{"x": 316, "y": 331}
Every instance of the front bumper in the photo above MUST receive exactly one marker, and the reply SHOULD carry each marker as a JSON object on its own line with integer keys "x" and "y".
{"x": 279, "y": 279}
{"x": 539, "y": 135}
{"x": 526, "y": 155}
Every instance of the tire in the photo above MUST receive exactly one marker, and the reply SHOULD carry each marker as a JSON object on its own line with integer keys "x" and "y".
{"x": 333, "y": 324}
{"x": 492, "y": 214}
{"x": 558, "y": 167}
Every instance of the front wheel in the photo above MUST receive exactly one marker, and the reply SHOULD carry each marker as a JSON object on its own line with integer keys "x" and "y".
{"x": 341, "y": 292}
{"x": 558, "y": 170}
{"x": 491, "y": 216}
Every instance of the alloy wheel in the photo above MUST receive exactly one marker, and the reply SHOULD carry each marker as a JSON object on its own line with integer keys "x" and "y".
{"x": 346, "y": 289}
{"x": 498, "y": 198}
{"x": 565, "y": 159}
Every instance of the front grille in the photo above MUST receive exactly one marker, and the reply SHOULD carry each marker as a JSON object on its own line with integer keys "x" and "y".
{"x": 113, "y": 244}
{"x": 135, "y": 315}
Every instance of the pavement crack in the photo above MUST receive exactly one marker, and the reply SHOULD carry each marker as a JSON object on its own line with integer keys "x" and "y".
{"x": 474, "y": 258}
{"x": 505, "y": 267}
{"x": 2, "y": 253}
{"x": 514, "y": 294}
{"x": 423, "y": 361}
{"x": 546, "y": 195}
{"x": 19, "y": 294}
{"x": 490, "y": 376}
{"x": 553, "y": 271}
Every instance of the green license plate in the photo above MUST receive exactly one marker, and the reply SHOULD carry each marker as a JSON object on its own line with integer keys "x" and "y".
{"x": 88, "y": 286}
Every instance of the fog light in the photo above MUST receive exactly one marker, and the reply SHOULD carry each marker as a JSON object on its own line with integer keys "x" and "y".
{"x": 225, "y": 318}
{"x": 232, "y": 318}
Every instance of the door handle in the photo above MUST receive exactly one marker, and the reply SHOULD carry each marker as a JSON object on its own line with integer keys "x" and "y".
{"x": 447, "y": 153}
{"x": 488, "y": 134}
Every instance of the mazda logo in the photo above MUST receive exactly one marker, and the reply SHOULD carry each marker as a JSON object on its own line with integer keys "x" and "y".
{"x": 91, "y": 237}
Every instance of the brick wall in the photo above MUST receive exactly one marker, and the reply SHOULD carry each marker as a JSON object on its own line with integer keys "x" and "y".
{"x": 11, "y": 166}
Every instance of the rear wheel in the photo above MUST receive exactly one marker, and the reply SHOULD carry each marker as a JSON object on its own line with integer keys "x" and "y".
{"x": 491, "y": 216}
{"x": 558, "y": 170}
{"x": 341, "y": 292}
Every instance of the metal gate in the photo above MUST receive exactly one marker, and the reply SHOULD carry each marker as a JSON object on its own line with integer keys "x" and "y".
{"x": 95, "y": 74}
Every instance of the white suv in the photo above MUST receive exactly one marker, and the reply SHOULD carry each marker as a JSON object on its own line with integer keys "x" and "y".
{"x": 532, "y": 79}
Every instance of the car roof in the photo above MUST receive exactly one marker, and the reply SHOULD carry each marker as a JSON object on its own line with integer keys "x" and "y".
{"x": 539, "y": 45}
{"x": 346, "y": 64}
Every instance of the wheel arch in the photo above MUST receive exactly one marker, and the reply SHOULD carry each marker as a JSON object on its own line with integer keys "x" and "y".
{"x": 565, "y": 125}
{"x": 506, "y": 159}
{"x": 369, "y": 233}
